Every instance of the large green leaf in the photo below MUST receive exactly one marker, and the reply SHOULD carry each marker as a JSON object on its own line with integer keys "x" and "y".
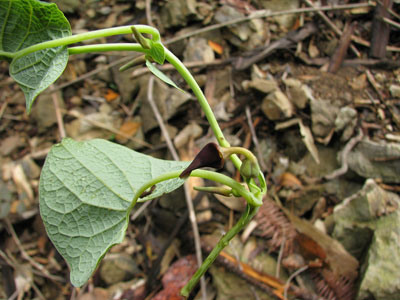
{"x": 85, "y": 191}
{"x": 24, "y": 23}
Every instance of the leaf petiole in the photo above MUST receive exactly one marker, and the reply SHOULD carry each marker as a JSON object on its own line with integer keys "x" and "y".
{"x": 86, "y": 36}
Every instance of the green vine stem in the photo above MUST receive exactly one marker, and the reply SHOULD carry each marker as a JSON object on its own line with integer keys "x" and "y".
{"x": 106, "y": 48}
{"x": 223, "y": 242}
{"x": 253, "y": 204}
{"x": 84, "y": 37}
{"x": 210, "y": 175}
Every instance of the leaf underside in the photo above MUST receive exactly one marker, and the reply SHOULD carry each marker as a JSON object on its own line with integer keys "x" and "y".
{"x": 85, "y": 191}
{"x": 24, "y": 23}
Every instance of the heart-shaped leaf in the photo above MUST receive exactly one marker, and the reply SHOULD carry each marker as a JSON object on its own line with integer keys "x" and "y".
{"x": 24, "y": 23}
{"x": 85, "y": 191}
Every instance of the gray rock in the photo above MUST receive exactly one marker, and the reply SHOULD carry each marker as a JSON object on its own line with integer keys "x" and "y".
{"x": 127, "y": 87}
{"x": 287, "y": 20}
{"x": 368, "y": 225}
{"x": 177, "y": 13}
{"x": 328, "y": 157}
{"x": 276, "y": 106}
{"x": 395, "y": 90}
{"x": 31, "y": 169}
{"x": 10, "y": 144}
{"x": 298, "y": 92}
{"x": 376, "y": 160}
{"x": 117, "y": 267}
{"x": 197, "y": 49}
{"x": 346, "y": 121}
{"x": 5, "y": 199}
{"x": 43, "y": 111}
{"x": 168, "y": 101}
{"x": 227, "y": 13}
{"x": 323, "y": 116}
{"x": 263, "y": 85}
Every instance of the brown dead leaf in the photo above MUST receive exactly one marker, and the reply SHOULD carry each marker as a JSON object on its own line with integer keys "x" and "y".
{"x": 309, "y": 248}
{"x": 338, "y": 259}
{"x": 95, "y": 294}
{"x": 289, "y": 180}
{"x": 234, "y": 203}
{"x": 111, "y": 95}
{"x": 216, "y": 47}
{"x": 176, "y": 278}
{"x": 128, "y": 128}
{"x": 308, "y": 140}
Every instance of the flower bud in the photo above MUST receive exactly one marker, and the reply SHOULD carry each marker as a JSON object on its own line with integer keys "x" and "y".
{"x": 209, "y": 156}
{"x": 249, "y": 169}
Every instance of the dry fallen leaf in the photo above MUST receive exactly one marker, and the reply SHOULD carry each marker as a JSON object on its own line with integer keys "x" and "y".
{"x": 290, "y": 181}
{"x": 111, "y": 95}
{"x": 308, "y": 140}
{"x": 216, "y": 47}
{"x": 129, "y": 128}
{"x": 176, "y": 278}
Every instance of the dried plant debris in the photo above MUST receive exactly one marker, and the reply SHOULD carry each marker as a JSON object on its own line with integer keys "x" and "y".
{"x": 273, "y": 224}
{"x": 330, "y": 287}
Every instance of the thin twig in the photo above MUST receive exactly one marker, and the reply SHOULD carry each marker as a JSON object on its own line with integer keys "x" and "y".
{"x": 255, "y": 139}
{"x": 188, "y": 197}
{"x": 3, "y": 108}
{"x": 37, "y": 291}
{"x": 391, "y": 22}
{"x": 332, "y": 26}
{"x": 375, "y": 85}
{"x": 280, "y": 256}
{"x": 287, "y": 285}
{"x": 345, "y": 152}
{"x": 139, "y": 211}
{"x": 59, "y": 118}
{"x": 26, "y": 256}
{"x": 148, "y": 13}
{"x": 267, "y": 14}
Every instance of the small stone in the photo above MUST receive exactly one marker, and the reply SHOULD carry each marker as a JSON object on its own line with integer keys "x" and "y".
{"x": 5, "y": 199}
{"x": 376, "y": 160}
{"x": 395, "y": 90}
{"x": 168, "y": 101}
{"x": 198, "y": 49}
{"x": 31, "y": 169}
{"x": 323, "y": 116}
{"x": 43, "y": 111}
{"x": 346, "y": 121}
{"x": 117, "y": 267}
{"x": 276, "y": 106}
{"x": 10, "y": 144}
{"x": 76, "y": 101}
{"x": 263, "y": 85}
{"x": 177, "y": 13}
{"x": 105, "y": 10}
{"x": 287, "y": 20}
{"x": 367, "y": 224}
{"x": 298, "y": 93}
{"x": 226, "y": 13}
{"x": 359, "y": 83}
